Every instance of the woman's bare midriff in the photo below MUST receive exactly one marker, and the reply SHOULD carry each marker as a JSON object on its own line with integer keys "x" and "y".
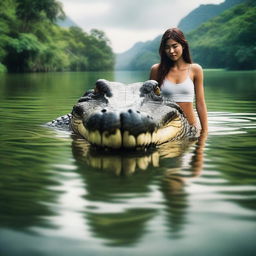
{"x": 188, "y": 110}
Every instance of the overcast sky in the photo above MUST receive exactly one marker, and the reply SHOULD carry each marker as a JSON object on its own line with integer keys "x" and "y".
{"x": 126, "y": 22}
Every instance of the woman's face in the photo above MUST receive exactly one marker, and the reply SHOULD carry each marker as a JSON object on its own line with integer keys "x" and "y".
{"x": 173, "y": 49}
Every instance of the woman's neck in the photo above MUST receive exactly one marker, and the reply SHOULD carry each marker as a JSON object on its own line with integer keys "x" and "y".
{"x": 180, "y": 65}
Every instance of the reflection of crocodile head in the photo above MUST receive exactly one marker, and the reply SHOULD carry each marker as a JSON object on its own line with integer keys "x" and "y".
{"x": 116, "y": 115}
{"x": 119, "y": 206}
{"x": 126, "y": 163}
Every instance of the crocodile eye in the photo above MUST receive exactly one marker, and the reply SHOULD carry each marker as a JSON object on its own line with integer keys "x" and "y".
{"x": 157, "y": 91}
{"x": 102, "y": 87}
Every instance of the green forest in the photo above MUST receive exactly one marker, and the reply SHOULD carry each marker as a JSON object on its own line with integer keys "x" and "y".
{"x": 32, "y": 41}
{"x": 225, "y": 41}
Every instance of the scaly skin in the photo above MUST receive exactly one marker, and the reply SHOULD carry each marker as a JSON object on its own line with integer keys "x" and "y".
{"x": 115, "y": 115}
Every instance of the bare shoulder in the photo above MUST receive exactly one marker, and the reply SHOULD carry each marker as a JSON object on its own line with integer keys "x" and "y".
{"x": 155, "y": 67}
{"x": 197, "y": 73}
{"x": 154, "y": 71}
{"x": 196, "y": 68}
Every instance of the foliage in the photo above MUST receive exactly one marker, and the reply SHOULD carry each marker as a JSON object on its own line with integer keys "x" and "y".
{"x": 30, "y": 11}
{"x": 7, "y": 21}
{"x": 30, "y": 40}
{"x": 227, "y": 40}
{"x": 2, "y": 68}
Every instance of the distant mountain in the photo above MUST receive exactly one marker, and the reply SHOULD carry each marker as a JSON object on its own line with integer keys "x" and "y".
{"x": 141, "y": 56}
{"x": 67, "y": 23}
{"x": 144, "y": 54}
{"x": 204, "y": 13}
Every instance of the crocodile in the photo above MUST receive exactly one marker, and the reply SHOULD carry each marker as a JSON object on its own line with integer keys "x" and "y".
{"x": 115, "y": 115}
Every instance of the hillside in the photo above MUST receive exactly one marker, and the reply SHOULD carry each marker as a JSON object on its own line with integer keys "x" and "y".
{"x": 225, "y": 41}
{"x": 204, "y": 13}
{"x": 228, "y": 40}
{"x": 141, "y": 56}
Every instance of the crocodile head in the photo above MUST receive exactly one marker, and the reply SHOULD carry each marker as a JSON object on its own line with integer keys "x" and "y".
{"x": 115, "y": 115}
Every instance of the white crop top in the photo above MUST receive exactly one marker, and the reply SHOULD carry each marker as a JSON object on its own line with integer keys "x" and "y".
{"x": 181, "y": 92}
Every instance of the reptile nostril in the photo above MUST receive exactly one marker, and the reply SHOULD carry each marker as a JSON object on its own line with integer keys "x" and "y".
{"x": 130, "y": 111}
{"x": 104, "y": 110}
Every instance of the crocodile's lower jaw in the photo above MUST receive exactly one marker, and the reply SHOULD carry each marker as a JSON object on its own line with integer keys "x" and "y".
{"x": 124, "y": 139}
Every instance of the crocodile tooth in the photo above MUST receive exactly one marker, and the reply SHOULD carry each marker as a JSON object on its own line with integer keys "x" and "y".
{"x": 144, "y": 139}
{"x": 141, "y": 139}
{"x": 128, "y": 140}
{"x": 148, "y": 138}
{"x": 112, "y": 140}
{"x": 95, "y": 137}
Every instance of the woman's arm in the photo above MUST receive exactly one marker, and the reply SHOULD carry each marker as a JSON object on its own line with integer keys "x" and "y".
{"x": 200, "y": 99}
{"x": 153, "y": 72}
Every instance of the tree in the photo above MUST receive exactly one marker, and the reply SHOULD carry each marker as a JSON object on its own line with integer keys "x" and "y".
{"x": 31, "y": 11}
{"x": 7, "y": 23}
{"x": 31, "y": 41}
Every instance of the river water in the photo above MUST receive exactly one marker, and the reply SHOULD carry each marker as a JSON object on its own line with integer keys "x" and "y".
{"x": 59, "y": 198}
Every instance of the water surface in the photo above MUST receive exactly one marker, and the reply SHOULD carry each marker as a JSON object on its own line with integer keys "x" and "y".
{"x": 58, "y": 197}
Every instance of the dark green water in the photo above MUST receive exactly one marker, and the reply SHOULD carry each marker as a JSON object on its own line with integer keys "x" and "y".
{"x": 58, "y": 198}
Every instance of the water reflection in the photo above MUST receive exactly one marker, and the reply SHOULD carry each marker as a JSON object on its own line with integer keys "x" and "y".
{"x": 120, "y": 209}
{"x": 191, "y": 163}
{"x": 128, "y": 162}
{"x": 25, "y": 187}
{"x": 173, "y": 186}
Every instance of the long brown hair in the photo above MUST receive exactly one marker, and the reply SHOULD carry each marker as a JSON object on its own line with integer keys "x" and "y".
{"x": 165, "y": 62}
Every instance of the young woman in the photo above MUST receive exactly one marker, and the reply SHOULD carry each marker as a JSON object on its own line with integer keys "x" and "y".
{"x": 179, "y": 78}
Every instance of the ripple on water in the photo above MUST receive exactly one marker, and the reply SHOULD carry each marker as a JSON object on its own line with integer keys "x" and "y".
{"x": 225, "y": 123}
